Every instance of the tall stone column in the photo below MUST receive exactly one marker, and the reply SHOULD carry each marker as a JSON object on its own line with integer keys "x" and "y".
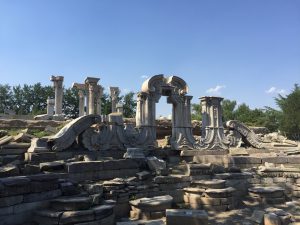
{"x": 81, "y": 95}
{"x": 50, "y": 106}
{"x": 81, "y": 102}
{"x": 91, "y": 83}
{"x": 58, "y": 88}
{"x": 114, "y": 93}
{"x": 98, "y": 99}
{"x": 213, "y": 134}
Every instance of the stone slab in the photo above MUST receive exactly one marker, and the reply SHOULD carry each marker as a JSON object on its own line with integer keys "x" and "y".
{"x": 184, "y": 216}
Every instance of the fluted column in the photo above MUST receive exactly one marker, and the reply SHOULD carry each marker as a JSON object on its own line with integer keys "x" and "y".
{"x": 81, "y": 102}
{"x": 58, "y": 89}
{"x": 114, "y": 93}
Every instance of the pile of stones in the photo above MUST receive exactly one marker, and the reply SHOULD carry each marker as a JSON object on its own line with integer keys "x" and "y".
{"x": 75, "y": 210}
{"x": 211, "y": 195}
{"x": 267, "y": 195}
{"x": 150, "y": 208}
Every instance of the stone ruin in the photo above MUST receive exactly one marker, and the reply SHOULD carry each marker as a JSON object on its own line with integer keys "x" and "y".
{"x": 102, "y": 169}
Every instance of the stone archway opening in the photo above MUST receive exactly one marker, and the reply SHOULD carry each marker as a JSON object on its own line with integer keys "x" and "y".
{"x": 175, "y": 89}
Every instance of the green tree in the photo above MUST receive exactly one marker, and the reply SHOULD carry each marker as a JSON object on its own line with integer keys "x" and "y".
{"x": 228, "y": 108}
{"x": 196, "y": 112}
{"x": 5, "y": 97}
{"x": 290, "y": 119}
{"x": 71, "y": 103}
{"x": 105, "y": 104}
{"x": 129, "y": 105}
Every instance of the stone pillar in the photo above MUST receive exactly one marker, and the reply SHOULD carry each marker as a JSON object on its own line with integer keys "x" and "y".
{"x": 91, "y": 83}
{"x": 120, "y": 108}
{"x": 213, "y": 134}
{"x": 114, "y": 93}
{"x": 98, "y": 99}
{"x": 58, "y": 88}
{"x": 50, "y": 106}
{"x": 81, "y": 94}
{"x": 81, "y": 102}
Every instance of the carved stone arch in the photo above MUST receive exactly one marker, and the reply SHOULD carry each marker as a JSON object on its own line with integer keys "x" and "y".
{"x": 175, "y": 89}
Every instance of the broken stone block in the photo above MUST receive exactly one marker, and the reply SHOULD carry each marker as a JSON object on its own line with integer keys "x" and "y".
{"x": 257, "y": 216}
{"x": 156, "y": 164}
{"x": 23, "y": 137}
{"x": 103, "y": 211}
{"x": 5, "y": 139}
{"x": 271, "y": 219}
{"x": 9, "y": 170}
{"x": 186, "y": 216}
{"x": 95, "y": 188}
{"x": 134, "y": 153}
{"x": 144, "y": 175}
{"x": 143, "y": 207}
{"x": 52, "y": 166}
{"x": 214, "y": 183}
{"x": 74, "y": 217}
{"x": 47, "y": 217}
{"x": 71, "y": 203}
{"x": 68, "y": 188}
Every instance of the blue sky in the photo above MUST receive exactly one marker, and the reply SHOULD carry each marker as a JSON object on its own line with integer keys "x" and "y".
{"x": 244, "y": 50}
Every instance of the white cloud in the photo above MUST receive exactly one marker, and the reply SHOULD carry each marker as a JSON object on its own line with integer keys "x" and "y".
{"x": 271, "y": 90}
{"x": 274, "y": 90}
{"x": 144, "y": 77}
{"x": 125, "y": 90}
{"x": 215, "y": 90}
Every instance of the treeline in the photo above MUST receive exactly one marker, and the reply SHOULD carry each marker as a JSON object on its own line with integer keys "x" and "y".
{"x": 32, "y": 99}
{"x": 286, "y": 119}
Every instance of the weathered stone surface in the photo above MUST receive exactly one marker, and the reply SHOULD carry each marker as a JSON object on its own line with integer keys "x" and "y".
{"x": 5, "y": 139}
{"x": 11, "y": 200}
{"x": 52, "y": 166}
{"x": 171, "y": 179}
{"x": 143, "y": 222}
{"x": 47, "y": 217}
{"x": 183, "y": 216}
{"x": 71, "y": 203}
{"x": 33, "y": 197}
{"x": 156, "y": 164}
{"x": 73, "y": 217}
{"x": 67, "y": 135}
{"x": 95, "y": 188}
{"x": 79, "y": 167}
{"x": 30, "y": 207}
{"x": 158, "y": 203}
{"x": 9, "y": 170}
{"x": 271, "y": 219}
{"x": 144, "y": 175}
{"x": 134, "y": 153}
{"x": 214, "y": 183}
{"x": 258, "y": 216}
{"x": 219, "y": 193}
{"x": 103, "y": 211}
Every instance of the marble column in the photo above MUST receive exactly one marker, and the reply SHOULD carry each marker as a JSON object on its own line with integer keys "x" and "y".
{"x": 81, "y": 102}
{"x": 213, "y": 132}
{"x": 58, "y": 88}
{"x": 91, "y": 83}
{"x": 114, "y": 93}
{"x": 81, "y": 95}
{"x": 50, "y": 106}
{"x": 98, "y": 99}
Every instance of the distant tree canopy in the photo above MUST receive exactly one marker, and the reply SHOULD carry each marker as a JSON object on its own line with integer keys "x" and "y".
{"x": 32, "y": 99}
